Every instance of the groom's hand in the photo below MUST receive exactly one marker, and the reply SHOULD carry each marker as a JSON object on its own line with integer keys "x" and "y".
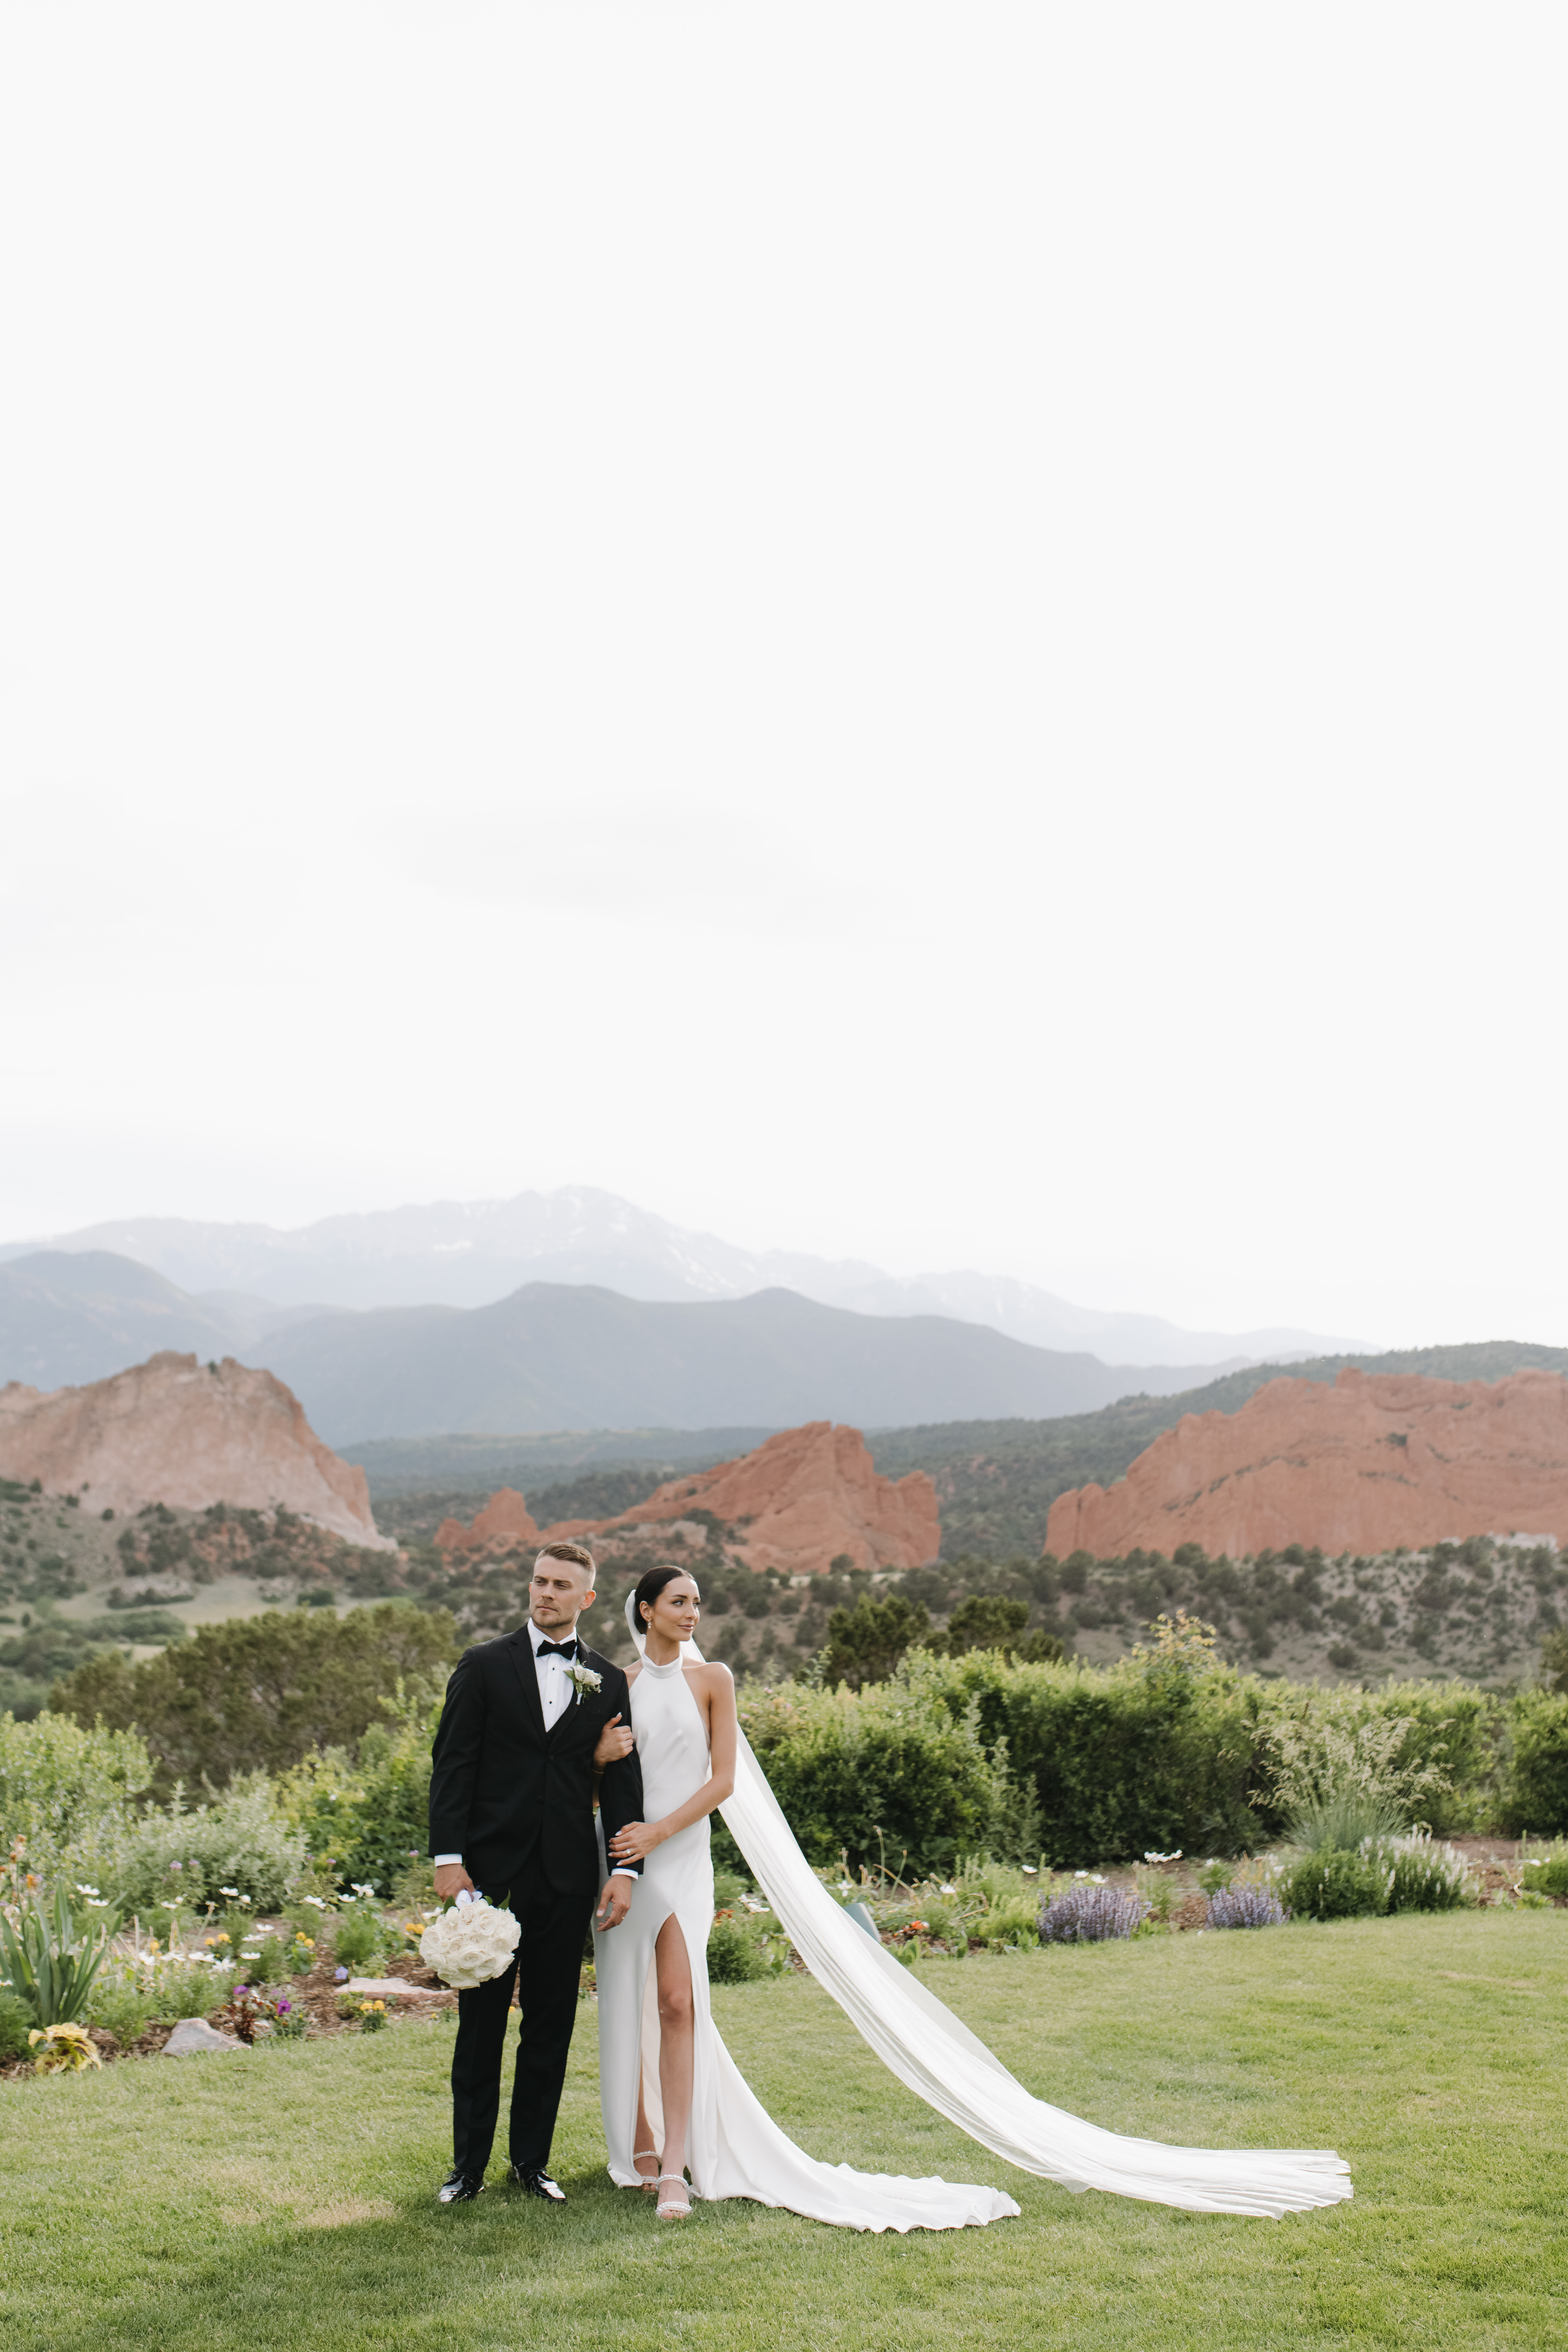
{"x": 616, "y": 1741}
{"x": 450, "y": 1880}
{"x": 615, "y": 1902}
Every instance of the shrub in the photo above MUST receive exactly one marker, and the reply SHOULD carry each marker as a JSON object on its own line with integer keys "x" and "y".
{"x": 1159, "y": 1891}
{"x": 179, "y": 1987}
{"x": 1336, "y": 1886}
{"x": 122, "y": 2007}
{"x": 734, "y": 1955}
{"x": 262, "y": 1959}
{"x": 1245, "y": 1906}
{"x": 367, "y": 1817}
{"x": 16, "y": 2022}
{"x": 1091, "y": 1915}
{"x": 1545, "y": 1874}
{"x": 885, "y": 1773}
{"x": 1010, "y": 1926}
{"x": 260, "y": 1692}
{"x": 359, "y": 1941}
{"x": 67, "y": 1790}
{"x": 1534, "y": 1794}
{"x": 1149, "y": 1755}
{"x": 240, "y": 1842}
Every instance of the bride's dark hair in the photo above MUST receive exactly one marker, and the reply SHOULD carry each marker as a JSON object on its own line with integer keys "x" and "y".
{"x": 652, "y": 1585}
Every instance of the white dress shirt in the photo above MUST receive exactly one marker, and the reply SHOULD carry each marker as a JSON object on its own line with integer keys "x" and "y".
{"x": 556, "y": 1693}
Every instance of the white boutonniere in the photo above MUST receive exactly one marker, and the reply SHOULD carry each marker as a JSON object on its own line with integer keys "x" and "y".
{"x": 582, "y": 1680}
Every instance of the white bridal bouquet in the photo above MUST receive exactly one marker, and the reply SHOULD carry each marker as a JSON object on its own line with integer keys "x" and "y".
{"x": 470, "y": 1943}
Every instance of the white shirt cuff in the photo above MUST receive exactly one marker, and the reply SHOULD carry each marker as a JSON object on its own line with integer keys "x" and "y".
{"x": 441, "y": 1860}
{"x": 619, "y": 1870}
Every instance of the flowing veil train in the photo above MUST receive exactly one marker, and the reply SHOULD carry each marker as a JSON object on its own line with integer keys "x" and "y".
{"x": 937, "y": 2056}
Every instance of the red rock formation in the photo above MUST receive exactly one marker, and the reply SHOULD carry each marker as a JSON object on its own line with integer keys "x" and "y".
{"x": 505, "y": 1520}
{"x": 172, "y": 1431}
{"x": 1376, "y": 1461}
{"x": 809, "y": 1495}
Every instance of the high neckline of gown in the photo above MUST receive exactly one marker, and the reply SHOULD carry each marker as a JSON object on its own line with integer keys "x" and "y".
{"x": 663, "y": 1673}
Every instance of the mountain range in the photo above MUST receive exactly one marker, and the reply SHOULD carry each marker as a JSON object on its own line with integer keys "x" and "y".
{"x": 472, "y": 1254}
{"x": 556, "y": 1356}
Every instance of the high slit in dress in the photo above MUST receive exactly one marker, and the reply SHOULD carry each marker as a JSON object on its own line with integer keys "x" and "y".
{"x": 734, "y": 2147}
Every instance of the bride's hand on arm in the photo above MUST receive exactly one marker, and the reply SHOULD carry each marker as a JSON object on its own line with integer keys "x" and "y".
{"x": 636, "y": 1841}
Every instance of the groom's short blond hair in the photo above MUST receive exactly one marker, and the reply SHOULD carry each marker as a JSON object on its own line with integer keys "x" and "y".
{"x": 578, "y": 1554}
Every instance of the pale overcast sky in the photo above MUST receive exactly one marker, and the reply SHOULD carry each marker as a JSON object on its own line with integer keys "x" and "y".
{"x": 926, "y": 632}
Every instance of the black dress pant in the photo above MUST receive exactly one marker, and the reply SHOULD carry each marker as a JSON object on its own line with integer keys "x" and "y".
{"x": 547, "y": 1970}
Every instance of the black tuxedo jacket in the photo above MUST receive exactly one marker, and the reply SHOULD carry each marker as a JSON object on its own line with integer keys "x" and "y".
{"x": 514, "y": 1799}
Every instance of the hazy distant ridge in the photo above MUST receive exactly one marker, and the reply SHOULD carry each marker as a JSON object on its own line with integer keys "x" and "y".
{"x": 475, "y": 1253}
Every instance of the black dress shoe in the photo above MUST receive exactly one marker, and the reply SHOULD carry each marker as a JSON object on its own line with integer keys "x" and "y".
{"x": 458, "y": 2187}
{"x": 537, "y": 2184}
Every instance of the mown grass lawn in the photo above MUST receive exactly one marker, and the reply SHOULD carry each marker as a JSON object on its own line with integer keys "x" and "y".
{"x": 285, "y": 2198}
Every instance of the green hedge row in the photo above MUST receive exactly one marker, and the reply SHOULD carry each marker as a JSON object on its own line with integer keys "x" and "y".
{"x": 1083, "y": 1766}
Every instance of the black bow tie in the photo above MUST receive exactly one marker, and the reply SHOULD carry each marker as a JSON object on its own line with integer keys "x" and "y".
{"x": 556, "y": 1650}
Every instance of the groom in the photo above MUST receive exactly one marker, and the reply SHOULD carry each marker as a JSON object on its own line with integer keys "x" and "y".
{"x": 511, "y": 1813}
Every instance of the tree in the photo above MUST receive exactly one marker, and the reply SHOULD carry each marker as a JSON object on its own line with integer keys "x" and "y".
{"x": 866, "y": 1643}
{"x": 260, "y": 1692}
{"x": 1554, "y": 1661}
{"x": 983, "y": 1622}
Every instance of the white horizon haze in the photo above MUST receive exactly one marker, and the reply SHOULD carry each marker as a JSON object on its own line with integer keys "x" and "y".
{"x": 901, "y": 632}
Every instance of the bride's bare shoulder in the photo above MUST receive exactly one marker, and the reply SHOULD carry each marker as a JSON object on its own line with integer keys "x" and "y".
{"x": 633, "y": 1671}
{"x": 712, "y": 1674}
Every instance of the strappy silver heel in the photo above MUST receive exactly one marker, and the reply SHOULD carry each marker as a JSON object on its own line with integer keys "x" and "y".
{"x": 666, "y": 2209}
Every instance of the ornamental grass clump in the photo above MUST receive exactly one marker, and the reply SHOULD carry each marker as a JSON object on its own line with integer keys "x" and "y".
{"x": 1245, "y": 1906}
{"x": 1424, "y": 1876}
{"x": 1342, "y": 1778}
{"x": 1091, "y": 1915}
{"x": 51, "y": 1949}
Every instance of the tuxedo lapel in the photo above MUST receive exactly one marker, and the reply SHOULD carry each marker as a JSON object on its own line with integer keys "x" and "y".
{"x": 585, "y": 1657}
{"x": 528, "y": 1676}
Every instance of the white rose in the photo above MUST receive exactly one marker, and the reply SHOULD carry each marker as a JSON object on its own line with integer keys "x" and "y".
{"x": 471, "y": 1944}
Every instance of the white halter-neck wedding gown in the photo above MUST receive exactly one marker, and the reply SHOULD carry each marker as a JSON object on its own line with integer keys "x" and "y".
{"x": 734, "y": 2148}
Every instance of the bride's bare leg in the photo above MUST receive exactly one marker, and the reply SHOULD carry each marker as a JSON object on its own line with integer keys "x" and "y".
{"x": 677, "y": 2042}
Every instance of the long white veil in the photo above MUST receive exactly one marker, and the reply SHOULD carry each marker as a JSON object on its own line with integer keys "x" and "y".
{"x": 931, "y": 2051}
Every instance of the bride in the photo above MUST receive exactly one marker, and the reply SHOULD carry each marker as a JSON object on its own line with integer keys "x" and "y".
{"x": 672, "y": 2098}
